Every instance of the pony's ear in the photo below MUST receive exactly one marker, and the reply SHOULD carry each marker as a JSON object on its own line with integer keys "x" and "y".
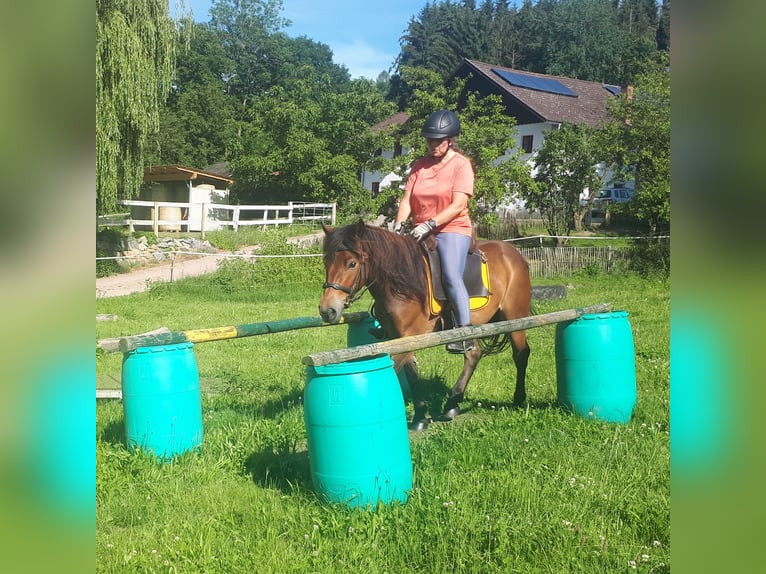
{"x": 359, "y": 227}
{"x": 327, "y": 229}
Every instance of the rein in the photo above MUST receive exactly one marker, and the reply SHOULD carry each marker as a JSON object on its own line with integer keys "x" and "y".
{"x": 354, "y": 292}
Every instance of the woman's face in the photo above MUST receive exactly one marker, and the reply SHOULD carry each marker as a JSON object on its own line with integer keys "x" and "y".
{"x": 437, "y": 147}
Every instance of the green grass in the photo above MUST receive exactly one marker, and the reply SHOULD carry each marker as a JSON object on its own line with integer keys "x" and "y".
{"x": 497, "y": 490}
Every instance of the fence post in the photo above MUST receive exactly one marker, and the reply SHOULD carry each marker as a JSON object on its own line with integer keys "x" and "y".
{"x": 332, "y": 222}
{"x": 235, "y": 217}
{"x": 290, "y": 213}
{"x": 155, "y": 215}
{"x": 203, "y": 222}
{"x": 608, "y": 258}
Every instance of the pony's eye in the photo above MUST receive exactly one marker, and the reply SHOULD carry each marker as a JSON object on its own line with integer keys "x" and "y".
{"x": 352, "y": 265}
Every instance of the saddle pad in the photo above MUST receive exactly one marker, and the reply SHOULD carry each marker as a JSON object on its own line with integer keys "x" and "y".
{"x": 475, "y": 277}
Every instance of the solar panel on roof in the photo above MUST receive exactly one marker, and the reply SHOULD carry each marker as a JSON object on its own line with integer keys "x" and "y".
{"x": 535, "y": 83}
{"x": 615, "y": 90}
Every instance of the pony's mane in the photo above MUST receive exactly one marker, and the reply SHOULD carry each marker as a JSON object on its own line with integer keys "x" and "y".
{"x": 394, "y": 262}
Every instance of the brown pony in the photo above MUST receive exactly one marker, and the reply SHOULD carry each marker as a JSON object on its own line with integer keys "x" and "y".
{"x": 392, "y": 267}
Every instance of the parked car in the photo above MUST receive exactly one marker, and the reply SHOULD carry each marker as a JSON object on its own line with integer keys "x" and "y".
{"x": 613, "y": 195}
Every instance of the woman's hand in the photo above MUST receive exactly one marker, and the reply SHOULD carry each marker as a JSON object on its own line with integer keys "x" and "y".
{"x": 421, "y": 231}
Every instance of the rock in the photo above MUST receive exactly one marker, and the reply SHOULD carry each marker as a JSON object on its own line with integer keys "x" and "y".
{"x": 549, "y": 292}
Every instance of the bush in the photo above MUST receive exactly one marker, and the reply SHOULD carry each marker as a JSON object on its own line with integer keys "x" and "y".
{"x": 492, "y": 226}
{"x": 108, "y": 242}
{"x": 650, "y": 257}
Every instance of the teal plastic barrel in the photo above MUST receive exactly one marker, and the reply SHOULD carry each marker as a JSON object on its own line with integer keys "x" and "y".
{"x": 596, "y": 366}
{"x": 363, "y": 332}
{"x": 161, "y": 399}
{"x": 366, "y": 332}
{"x": 356, "y": 428}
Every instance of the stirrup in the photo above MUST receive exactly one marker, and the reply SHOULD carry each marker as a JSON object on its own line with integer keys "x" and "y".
{"x": 459, "y": 347}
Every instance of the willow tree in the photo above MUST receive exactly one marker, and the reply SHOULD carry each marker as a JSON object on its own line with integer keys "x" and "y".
{"x": 135, "y": 52}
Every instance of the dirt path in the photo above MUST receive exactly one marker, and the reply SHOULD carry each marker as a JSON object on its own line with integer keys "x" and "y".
{"x": 183, "y": 266}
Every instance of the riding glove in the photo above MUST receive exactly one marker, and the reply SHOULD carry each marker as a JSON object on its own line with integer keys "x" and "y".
{"x": 422, "y": 230}
{"x": 398, "y": 227}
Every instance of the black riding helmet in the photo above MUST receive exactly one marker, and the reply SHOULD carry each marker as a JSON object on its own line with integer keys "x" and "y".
{"x": 441, "y": 124}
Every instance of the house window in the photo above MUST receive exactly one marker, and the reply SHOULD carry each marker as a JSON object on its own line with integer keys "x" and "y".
{"x": 526, "y": 143}
{"x": 375, "y": 188}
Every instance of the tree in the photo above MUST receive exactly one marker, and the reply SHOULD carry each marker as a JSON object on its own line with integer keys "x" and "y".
{"x": 639, "y": 140}
{"x": 246, "y": 30}
{"x": 200, "y": 121}
{"x": 309, "y": 142}
{"x": 663, "y": 27}
{"x": 442, "y": 34}
{"x": 584, "y": 41}
{"x": 565, "y": 165}
{"x": 135, "y": 52}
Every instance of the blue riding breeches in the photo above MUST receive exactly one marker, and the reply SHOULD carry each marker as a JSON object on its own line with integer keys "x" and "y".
{"x": 453, "y": 251}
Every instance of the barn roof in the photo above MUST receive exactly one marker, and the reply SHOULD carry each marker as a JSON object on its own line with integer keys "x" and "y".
{"x": 397, "y": 119}
{"x": 534, "y": 98}
{"x": 182, "y": 173}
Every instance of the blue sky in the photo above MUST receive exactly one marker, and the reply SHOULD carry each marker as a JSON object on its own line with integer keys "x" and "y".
{"x": 363, "y": 35}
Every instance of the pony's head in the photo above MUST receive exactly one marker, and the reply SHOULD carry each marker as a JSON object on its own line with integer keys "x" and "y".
{"x": 357, "y": 256}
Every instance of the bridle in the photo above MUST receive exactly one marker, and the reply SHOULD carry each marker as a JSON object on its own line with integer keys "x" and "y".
{"x": 356, "y": 290}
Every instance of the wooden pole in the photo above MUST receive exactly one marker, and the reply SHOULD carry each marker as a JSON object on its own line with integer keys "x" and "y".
{"x": 112, "y": 345}
{"x": 416, "y": 342}
{"x": 133, "y": 342}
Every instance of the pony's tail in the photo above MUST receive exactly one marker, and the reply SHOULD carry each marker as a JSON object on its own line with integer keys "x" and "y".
{"x": 494, "y": 344}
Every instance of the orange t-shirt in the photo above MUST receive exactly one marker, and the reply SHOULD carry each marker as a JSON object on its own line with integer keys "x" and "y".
{"x": 431, "y": 185}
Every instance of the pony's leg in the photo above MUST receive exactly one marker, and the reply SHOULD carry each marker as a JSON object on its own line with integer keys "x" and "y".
{"x": 520, "y": 358}
{"x": 470, "y": 360}
{"x": 407, "y": 364}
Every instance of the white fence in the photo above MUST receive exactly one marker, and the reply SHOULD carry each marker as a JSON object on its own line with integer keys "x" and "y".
{"x": 174, "y": 216}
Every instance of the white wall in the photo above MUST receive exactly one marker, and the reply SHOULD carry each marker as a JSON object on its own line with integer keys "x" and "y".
{"x": 385, "y": 179}
{"x": 205, "y": 193}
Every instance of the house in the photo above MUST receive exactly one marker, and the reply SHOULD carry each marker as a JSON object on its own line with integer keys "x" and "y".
{"x": 375, "y": 181}
{"x": 181, "y": 184}
{"x": 539, "y": 103}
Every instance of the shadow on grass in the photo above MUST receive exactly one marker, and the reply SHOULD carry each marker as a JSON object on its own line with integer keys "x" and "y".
{"x": 283, "y": 471}
{"x": 433, "y": 391}
{"x": 114, "y": 433}
{"x": 250, "y": 406}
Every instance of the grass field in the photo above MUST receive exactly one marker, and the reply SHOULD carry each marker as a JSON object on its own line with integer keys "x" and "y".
{"x": 497, "y": 490}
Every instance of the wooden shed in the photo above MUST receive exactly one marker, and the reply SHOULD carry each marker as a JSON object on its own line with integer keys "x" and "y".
{"x": 185, "y": 185}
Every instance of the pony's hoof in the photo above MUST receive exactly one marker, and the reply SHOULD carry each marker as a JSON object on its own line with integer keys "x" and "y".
{"x": 447, "y": 416}
{"x": 420, "y": 425}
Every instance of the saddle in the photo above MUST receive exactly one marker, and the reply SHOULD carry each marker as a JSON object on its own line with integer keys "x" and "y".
{"x": 475, "y": 277}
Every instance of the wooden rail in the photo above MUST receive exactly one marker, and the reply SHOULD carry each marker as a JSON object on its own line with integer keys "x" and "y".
{"x": 416, "y": 342}
{"x": 166, "y": 337}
